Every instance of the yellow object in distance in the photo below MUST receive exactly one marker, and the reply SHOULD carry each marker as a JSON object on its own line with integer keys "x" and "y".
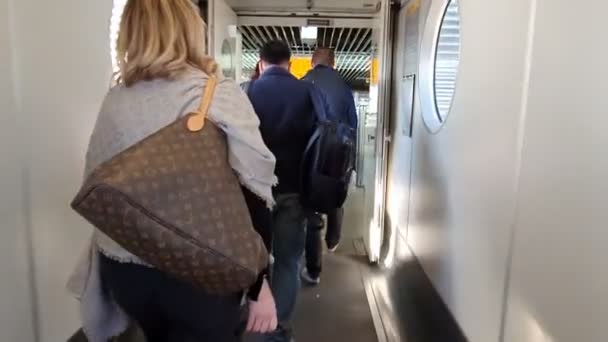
{"x": 300, "y": 66}
{"x": 374, "y": 72}
{"x": 413, "y": 7}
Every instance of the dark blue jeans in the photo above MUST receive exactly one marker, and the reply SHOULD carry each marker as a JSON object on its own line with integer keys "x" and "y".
{"x": 314, "y": 238}
{"x": 168, "y": 310}
{"x": 289, "y": 236}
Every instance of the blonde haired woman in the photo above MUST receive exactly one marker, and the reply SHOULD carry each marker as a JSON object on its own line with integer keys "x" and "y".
{"x": 163, "y": 71}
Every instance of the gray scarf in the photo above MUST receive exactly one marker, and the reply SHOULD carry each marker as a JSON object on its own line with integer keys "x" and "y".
{"x": 128, "y": 115}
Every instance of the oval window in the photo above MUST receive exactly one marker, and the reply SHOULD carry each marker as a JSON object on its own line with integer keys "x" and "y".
{"x": 226, "y": 60}
{"x": 440, "y": 58}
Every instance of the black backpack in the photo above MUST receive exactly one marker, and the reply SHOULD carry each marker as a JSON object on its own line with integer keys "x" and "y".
{"x": 328, "y": 161}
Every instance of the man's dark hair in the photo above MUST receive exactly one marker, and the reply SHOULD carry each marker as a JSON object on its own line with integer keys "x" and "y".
{"x": 324, "y": 56}
{"x": 275, "y": 52}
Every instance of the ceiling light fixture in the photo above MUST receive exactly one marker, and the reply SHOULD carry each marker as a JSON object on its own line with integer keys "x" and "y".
{"x": 309, "y": 34}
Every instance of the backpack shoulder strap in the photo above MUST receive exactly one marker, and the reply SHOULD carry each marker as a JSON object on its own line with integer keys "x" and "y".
{"x": 318, "y": 103}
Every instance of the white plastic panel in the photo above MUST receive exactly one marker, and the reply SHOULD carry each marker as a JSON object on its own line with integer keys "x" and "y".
{"x": 375, "y": 150}
{"x": 559, "y": 284}
{"x": 464, "y": 177}
{"x": 15, "y": 303}
{"x": 64, "y": 71}
{"x": 224, "y": 32}
{"x": 400, "y": 146}
{"x": 318, "y": 5}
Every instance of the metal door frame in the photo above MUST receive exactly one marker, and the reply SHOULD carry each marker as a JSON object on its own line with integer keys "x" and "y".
{"x": 383, "y": 127}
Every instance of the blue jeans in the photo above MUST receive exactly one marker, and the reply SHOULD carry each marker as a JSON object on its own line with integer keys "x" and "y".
{"x": 289, "y": 238}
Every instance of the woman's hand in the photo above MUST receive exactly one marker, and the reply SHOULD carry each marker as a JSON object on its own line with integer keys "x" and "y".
{"x": 263, "y": 312}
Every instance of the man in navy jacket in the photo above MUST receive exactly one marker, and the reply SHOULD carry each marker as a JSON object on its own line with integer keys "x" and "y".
{"x": 287, "y": 121}
{"x": 336, "y": 91}
{"x": 341, "y": 103}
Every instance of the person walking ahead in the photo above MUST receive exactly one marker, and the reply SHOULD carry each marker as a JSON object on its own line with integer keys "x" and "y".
{"x": 288, "y": 120}
{"x": 341, "y": 105}
{"x": 163, "y": 71}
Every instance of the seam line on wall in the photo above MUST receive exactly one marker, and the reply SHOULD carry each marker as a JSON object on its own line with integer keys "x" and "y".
{"x": 520, "y": 150}
{"x": 25, "y": 175}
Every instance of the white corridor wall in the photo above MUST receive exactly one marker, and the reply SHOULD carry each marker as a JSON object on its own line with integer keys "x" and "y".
{"x": 63, "y": 71}
{"x": 464, "y": 177}
{"x": 508, "y": 206}
{"x": 559, "y": 285}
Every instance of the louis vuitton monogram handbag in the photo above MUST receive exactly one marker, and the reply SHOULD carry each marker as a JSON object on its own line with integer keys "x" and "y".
{"x": 174, "y": 201}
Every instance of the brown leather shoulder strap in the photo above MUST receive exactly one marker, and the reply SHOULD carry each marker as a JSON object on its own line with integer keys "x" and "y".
{"x": 196, "y": 121}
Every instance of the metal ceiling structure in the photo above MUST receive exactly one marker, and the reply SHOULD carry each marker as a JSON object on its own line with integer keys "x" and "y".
{"x": 353, "y": 47}
{"x": 345, "y": 7}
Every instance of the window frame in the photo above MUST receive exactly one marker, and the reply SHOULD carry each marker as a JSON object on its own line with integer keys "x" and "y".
{"x": 432, "y": 117}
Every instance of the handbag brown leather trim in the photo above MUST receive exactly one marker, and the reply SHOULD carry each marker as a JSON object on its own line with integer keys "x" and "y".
{"x": 196, "y": 120}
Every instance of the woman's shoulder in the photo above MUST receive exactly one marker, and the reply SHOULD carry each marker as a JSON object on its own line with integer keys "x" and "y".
{"x": 189, "y": 78}
{"x": 180, "y": 93}
{"x": 195, "y": 80}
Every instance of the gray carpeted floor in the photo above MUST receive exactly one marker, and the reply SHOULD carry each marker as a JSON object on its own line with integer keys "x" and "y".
{"x": 337, "y": 309}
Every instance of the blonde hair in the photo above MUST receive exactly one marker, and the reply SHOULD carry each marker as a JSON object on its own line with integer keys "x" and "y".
{"x": 161, "y": 39}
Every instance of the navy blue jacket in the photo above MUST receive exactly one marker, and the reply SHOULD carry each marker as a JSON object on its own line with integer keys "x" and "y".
{"x": 336, "y": 92}
{"x": 287, "y": 121}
